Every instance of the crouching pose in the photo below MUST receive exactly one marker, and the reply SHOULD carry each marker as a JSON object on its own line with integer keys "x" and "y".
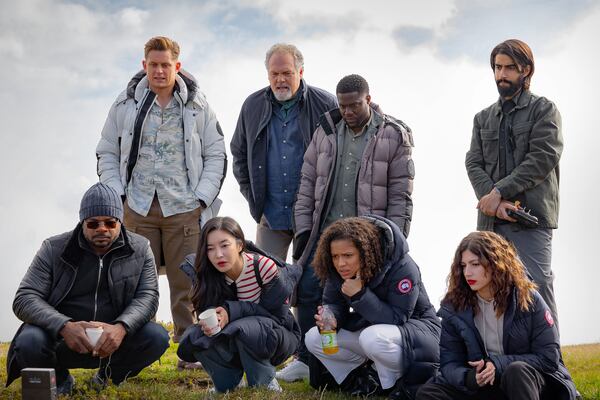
{"x": 249, "y": 293}
{"x": 97, "y": 275}
{"x": 499, "y": 340}
{"x": 382, "y": 311}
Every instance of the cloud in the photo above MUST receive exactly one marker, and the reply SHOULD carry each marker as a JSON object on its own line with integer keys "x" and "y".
{"x": 413, "y": 36}
{"x": 475, "y": 27}
{"x": 65, "y": 62}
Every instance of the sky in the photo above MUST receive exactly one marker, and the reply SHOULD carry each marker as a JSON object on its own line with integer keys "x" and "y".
{"x": 427, "y": 63}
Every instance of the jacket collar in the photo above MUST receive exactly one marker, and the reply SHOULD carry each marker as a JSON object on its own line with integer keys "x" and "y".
{"x": 523, "y": 100}
{"x": 330, "y": 119}
{"x": 186, "y": 87}
{"x": 394, "y": 244}
{"x": 77, "y": 247}
{"x": 447, "y": 311}
{"x": 303, "y": 89}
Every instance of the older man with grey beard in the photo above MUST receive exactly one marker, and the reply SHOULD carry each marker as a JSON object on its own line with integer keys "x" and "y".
{"x": 274, "y": 129}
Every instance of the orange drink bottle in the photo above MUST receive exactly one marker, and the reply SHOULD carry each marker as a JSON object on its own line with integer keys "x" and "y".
{"x": 328, "y": 333}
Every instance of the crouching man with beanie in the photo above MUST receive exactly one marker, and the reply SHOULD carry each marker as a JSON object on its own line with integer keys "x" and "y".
{"x": 98, "y": 275}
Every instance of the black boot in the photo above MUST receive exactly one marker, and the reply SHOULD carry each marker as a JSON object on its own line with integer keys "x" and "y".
{"x": 363, "y": 381}
{"x": 400, "y": 391}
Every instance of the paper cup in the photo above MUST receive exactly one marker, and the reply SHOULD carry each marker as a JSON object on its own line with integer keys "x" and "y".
{"x": 209, "y": 320}
{"x": 94, "y": 334}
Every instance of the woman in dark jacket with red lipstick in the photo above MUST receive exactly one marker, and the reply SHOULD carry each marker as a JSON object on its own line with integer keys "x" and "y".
{"x": 498, "y": 339}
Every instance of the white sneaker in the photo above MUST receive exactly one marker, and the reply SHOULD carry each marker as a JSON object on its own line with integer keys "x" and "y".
{"x": 294, "y": 371}
{"x": 240, "y": 385}
{"x": 274, "y": 386}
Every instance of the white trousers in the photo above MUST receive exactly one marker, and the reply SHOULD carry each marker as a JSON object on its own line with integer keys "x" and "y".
{"x": 379, "y": 343}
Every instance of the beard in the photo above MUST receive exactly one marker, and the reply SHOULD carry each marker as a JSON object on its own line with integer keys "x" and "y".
{"x": 511, "y": 89}
{"x": 283, "y": 95}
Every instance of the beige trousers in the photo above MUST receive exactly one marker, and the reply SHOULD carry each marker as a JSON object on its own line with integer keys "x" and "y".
{"x": 171, "y": 239}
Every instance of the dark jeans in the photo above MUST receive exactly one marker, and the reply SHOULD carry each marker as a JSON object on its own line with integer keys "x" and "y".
{"x": 520, "y": 381}
{"x": 309, "y": 296}
{"x": 227, "y": 361}
{"x": 36, "y": 348}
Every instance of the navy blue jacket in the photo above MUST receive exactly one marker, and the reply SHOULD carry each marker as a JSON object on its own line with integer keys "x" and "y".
{"x": 395, "y": 296}
{"x": 528, "y": 336}
{"x": 249, "y": 142}
{"x": 267, "y": 328}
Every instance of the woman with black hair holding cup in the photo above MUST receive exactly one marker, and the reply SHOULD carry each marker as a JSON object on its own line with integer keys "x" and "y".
{"x": 245, "y": 324}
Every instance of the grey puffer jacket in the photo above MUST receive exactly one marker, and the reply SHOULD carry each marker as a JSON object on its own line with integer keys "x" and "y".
{"x": 132, "y": 284}
{"x": 535, "y": 133}
{"x": 385, "y": 177}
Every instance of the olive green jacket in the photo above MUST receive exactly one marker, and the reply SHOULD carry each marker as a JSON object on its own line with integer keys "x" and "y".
{"x": 537, "y": 145}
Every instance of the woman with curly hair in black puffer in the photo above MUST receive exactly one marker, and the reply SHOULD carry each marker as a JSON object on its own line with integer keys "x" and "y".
{"x": 384, "y": 319}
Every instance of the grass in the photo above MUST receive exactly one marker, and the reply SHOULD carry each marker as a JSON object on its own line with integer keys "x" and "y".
{"x": 163, "y": 381}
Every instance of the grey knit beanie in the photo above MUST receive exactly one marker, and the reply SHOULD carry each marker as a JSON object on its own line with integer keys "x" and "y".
{"x": 101, "y": 201}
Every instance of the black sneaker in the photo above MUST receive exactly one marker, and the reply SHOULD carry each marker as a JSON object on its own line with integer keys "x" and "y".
{"x": 362, "y": 382}
{"x": 400, "y": 391}
{"x": 66, "y": 387}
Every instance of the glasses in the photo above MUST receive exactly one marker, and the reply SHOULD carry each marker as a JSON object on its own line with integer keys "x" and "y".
{"x": 110, "y": 224}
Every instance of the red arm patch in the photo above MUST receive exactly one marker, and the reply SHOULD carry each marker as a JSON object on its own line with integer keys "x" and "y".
{"x": 405, "y": 286}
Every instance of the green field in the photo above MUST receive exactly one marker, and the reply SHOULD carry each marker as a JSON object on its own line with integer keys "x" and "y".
{"x": 163, "y": 381}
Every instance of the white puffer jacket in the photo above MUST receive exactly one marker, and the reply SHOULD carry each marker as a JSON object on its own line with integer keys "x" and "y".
{"x": 205, "y": 155}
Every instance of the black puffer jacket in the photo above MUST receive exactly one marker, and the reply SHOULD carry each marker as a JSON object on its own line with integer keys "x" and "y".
{"x": 528, "y": 336}
{"x": 268, "y": 327}
{"x": 396, "y": 296}
{"x": 132, "y": 284}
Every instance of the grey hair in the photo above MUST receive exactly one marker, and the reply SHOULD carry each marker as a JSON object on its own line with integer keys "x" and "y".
{"x": 288, "y": 49}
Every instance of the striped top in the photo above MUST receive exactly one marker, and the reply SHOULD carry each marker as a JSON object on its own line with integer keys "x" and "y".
{"x": 247, "y": 286}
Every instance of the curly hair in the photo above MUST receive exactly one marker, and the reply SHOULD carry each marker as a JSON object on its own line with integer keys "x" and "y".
{"x": 210, "y": 289}
{"x": 499, "y": 258}
{"x": 366, "y": 238}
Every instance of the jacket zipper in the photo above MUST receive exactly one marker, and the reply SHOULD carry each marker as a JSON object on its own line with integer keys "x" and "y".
{"x": 101, "y": 264}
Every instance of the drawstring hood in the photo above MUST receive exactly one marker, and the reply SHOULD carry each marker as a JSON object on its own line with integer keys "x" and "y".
{"x": 490, "y": 326}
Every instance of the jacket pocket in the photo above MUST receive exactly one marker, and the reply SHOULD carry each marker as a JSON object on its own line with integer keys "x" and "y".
{"x": 520, "y": 137}
{"x": 191, "y": 234}
{"x": 489, "y": 145}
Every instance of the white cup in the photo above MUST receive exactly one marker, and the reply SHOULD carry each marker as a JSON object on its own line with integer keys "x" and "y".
{"x": 209, "y": 320}
{"x": 94, "y": 334}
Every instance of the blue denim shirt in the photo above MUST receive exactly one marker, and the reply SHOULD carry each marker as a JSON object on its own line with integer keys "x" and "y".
{"x": 285, "y": 154}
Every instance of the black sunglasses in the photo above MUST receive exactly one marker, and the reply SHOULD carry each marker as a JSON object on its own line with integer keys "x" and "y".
{"x": 110, "y": 224}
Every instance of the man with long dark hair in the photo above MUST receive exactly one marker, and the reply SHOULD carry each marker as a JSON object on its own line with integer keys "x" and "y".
{"x": 514, "y": 156}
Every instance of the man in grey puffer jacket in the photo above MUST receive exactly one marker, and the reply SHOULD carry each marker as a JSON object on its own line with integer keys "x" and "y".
{"x": 358, "y": 162}
{"x": 98, "y": 275}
